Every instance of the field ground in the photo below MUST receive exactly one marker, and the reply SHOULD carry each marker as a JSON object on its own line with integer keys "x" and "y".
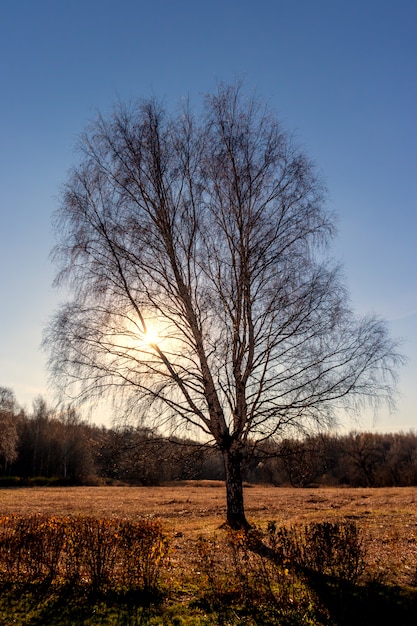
{"x": 387, "y": 517}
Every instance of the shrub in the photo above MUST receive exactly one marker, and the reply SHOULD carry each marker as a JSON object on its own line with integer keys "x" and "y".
{"x": 241, "y": 580}
{"x": 270, "y": 573}
{"x": 143, "y": 547}
{"x": 100, "y": 553}
{"x": 331, "y": 548}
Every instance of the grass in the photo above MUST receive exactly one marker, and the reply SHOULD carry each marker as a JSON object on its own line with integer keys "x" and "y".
{"x": 387, "y": 519}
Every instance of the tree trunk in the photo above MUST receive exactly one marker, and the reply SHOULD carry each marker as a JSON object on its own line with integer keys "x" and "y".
{"x": 234, "y": 490}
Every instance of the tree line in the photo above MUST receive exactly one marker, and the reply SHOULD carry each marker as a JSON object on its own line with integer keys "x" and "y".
{"x": 49, "y": 445}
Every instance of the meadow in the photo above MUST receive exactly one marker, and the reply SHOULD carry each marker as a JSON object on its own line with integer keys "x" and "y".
{"x": 192, "y": 515}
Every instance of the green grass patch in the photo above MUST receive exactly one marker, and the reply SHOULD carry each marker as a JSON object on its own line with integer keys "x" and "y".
{"x": 361, "y": 605}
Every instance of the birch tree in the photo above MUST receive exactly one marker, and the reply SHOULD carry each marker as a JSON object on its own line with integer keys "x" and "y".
{"x": 194, "y": 248}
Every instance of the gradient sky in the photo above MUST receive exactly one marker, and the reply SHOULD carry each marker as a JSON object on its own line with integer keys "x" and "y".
{"x": 341, "y": 75}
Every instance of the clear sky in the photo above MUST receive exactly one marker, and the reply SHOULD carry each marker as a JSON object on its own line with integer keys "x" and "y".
{"x": 341, "y": 75}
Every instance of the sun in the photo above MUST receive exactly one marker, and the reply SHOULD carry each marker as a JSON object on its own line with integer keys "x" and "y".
{"x": 151, "y": 336}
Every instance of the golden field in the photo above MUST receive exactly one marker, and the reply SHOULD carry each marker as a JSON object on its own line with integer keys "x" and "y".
{"x": 387, "y": 517}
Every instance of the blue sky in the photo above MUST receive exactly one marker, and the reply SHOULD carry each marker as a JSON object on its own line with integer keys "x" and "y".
{"x": 340, "y": 75}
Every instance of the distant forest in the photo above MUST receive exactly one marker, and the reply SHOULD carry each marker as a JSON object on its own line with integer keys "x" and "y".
{"x": 58, "y": 447}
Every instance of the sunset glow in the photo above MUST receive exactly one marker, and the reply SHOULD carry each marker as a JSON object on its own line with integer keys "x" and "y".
{"x": 151, "y": 336}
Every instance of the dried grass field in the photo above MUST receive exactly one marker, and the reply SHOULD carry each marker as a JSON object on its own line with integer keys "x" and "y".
{"x": 387, "y": 517}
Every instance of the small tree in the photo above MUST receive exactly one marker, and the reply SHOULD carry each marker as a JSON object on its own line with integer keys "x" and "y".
{"x": 188, "y": 242}
{"x": 9, "y": 416}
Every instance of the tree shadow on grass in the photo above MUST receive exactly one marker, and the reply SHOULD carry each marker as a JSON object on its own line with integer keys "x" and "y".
{"x": 352, "y": 603}
{"x": 371, "y": 604}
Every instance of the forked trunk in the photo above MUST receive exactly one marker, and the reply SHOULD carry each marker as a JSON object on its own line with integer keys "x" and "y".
{"x": 234, "y": 490}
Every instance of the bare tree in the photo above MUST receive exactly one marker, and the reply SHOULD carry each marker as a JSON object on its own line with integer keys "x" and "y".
{"x": 195, "y": 250}
{"x": 9, "y": 416}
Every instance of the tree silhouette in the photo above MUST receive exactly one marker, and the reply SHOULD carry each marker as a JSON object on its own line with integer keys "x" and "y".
{"x": 195, "y": 249}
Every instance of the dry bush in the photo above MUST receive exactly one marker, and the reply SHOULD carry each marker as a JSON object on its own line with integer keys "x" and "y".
{"x": 100, "y": 553}
{"x": 30, "y": 547}
{"x": 143, "y": 548}
{"x": 271, "y": 570}
{"x": 238, "y": 577}
{"x": 330, "y": 548}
